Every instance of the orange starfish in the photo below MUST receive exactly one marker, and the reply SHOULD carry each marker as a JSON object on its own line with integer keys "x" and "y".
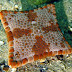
{"x": 33, "y": 35}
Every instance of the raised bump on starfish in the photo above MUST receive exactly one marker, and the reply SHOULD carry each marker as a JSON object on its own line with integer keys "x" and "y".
{"x": 33, "y": 35}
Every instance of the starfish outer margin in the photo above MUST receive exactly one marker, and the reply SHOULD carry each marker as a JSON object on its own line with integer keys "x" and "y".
{"x": 15, "y": 64}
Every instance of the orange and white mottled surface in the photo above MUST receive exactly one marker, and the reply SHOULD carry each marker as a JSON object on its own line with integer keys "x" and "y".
{"x": 33, "y": 35}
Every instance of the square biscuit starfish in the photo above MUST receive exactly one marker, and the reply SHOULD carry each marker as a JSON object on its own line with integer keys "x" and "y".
{"x": 33, "y": 35}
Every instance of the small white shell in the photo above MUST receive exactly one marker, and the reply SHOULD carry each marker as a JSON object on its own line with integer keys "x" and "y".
{"x": 16, "y": 6}
{"x": 13, "y": 70}
{"x": 1, "y": 42}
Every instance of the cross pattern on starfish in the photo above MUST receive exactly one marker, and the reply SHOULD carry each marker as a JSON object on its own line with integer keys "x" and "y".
{"x": 33, "y": 35}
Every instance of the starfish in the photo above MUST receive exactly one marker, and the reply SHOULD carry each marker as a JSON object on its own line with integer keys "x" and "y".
{"x": 33, "y": 35}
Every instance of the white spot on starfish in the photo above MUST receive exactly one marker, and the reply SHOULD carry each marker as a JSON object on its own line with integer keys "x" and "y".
{"x": 33, "y": 22}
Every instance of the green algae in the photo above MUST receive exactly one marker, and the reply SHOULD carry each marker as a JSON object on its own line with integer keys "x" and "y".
{"x": 34, "y": 4}
{"x": 63, "y": 21}
{"x": 37, "y": 2}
